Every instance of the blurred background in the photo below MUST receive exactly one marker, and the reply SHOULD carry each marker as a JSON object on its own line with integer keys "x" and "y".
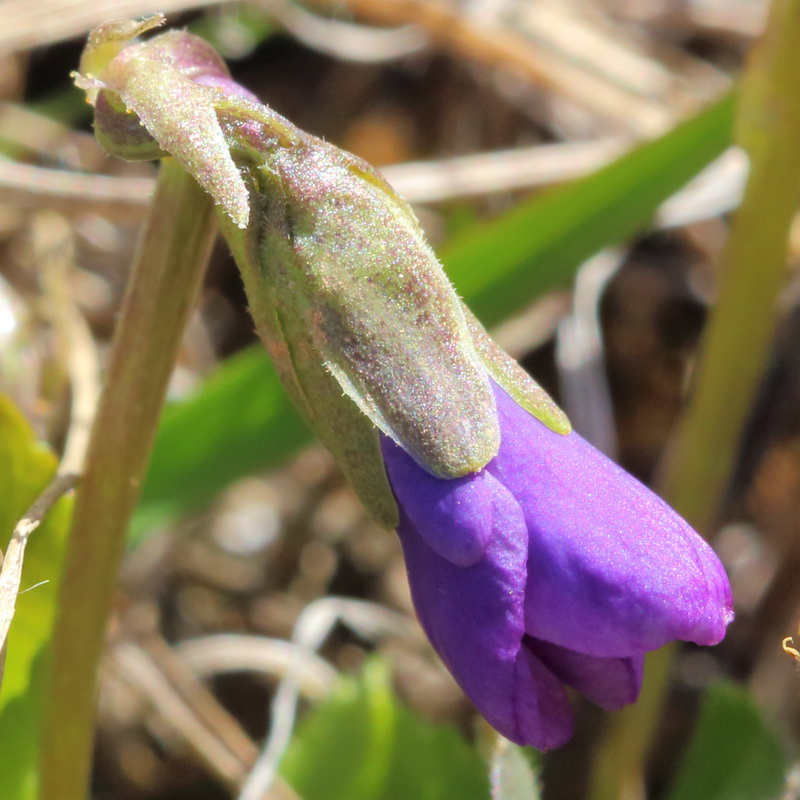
{"x": 471, "y": 108}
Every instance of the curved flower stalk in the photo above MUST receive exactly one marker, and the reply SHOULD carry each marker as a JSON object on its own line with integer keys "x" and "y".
{"x": 535, "y": 563}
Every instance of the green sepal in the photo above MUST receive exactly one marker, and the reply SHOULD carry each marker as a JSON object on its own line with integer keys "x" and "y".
{"x": 382, "y": 315}
{"x": 336, "y": 420}
{"x": 350, "y": 299}
{"x": 509, "y": 375}
{"x": 151, "y": 83}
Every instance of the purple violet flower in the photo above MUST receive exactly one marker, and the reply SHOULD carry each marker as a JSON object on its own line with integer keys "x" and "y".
{"x": 552, "y": 566}
{"x": 535, "y": 563}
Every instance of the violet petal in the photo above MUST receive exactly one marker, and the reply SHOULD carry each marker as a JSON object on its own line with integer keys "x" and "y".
{"x": 454, "y": 517}
{"x": 609, "y": 682}
{"x": 474, "y": 618}
{"x": 613, "y": 570}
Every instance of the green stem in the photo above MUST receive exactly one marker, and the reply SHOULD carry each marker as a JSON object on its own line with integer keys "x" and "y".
{"x": 167, "y": 272}
{"x": 618, "y": 763}
{"x": 737, "y": 343}
{"x": 735, "y": 350}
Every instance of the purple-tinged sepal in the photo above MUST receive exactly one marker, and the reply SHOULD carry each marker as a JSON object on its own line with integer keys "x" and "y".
{"x": 355, "y": 269}
{"x": 153, "y": 99}
{"x": 346, "y": 293}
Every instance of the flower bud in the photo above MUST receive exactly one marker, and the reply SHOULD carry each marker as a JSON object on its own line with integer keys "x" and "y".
{"x": 535, "y": 563}
{"x": 350, "y": 300}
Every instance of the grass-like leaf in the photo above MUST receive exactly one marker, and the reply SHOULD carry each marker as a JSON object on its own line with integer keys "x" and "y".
{"x": 501, "y": 265}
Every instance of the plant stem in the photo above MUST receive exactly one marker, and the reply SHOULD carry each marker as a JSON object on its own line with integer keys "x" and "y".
{"x": 739, "y": 336}
{"x": 166, "y": 276}
{"x": 618, "y": 764}
{"x": 735, "y": 350}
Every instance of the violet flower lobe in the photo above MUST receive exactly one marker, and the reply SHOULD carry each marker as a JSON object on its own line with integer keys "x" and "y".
{"x": 550, "y": 567}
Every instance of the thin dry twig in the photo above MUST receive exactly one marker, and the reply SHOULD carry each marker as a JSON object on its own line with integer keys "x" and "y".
{"x": 346, "y": 41}
{"x": 53, "y": 253}
{"x": 313, "y": 627}
{"x": 235, "y": 652}
{"x": 136, "y": 666}
{"x": 579, "y": 354}
{"x": 30, "y": 134}
{"x": 181, "y": 701}
{"x": 420, "y": 182}
{"x": 501, "y": 170}
{"x": 737, "y": 18}
{"x": 27, "y": 24}
{"x": 502, "y": 44}
{"x": 73, "y": 193}
{"x": 11, "y": 572}
{"x": 716, "y": 191}
{"x": 556, "y": 47}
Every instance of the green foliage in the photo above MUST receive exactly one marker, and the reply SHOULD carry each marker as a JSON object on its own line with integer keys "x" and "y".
{"x": 26, "y": 467}
{"x": 241, "y": 422}
{"x": 235, "y": 31}
{"x": 363, "y": 745}
{"x": 733, "y": 755}
{"x": 500, "y": 266}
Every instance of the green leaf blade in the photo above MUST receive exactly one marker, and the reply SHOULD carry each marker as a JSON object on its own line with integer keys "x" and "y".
{"x": 503, "y": 264}
{"x": 733, "y": 755}
{"x": 362, "y": 744}
{"x": 26, "y": 468}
